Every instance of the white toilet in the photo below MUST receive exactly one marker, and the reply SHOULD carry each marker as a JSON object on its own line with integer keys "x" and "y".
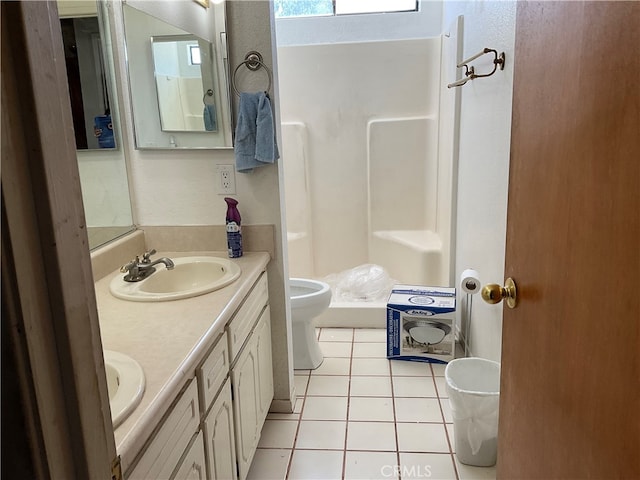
{"x": 309, "y": 298}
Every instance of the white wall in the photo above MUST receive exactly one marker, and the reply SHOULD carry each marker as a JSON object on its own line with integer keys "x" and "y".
{"x": 483, "y": 171}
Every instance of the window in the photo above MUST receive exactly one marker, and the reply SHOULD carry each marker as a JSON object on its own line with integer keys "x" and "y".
{"x": 308, "y": 8}
{"x": 194, "y": 55}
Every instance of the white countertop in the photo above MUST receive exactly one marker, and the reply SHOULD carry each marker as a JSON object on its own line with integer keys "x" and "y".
{"x": 169, "y": 340}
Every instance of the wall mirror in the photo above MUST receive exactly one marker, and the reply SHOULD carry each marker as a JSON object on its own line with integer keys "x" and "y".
{"x": 101, "y": 160}
{"x": 178, "y": 81}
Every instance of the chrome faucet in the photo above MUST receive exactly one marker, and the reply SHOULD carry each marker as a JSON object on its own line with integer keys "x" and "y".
{"x": 137, "y": 269}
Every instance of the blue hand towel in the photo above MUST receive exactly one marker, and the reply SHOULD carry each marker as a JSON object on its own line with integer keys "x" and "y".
{"x": 210, "y": 118}
{"x": 255, "y": 142}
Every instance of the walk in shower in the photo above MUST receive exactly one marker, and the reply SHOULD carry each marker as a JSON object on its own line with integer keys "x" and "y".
{"x": 367, "y": 133}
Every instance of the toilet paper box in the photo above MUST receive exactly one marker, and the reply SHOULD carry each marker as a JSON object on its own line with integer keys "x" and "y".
{"x": 420, "y": 323}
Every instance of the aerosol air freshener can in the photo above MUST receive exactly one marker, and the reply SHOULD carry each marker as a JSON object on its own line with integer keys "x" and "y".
{"x": 234, "y": 233}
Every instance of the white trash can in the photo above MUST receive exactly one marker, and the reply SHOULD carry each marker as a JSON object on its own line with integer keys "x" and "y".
{"x": 473, "y": 385}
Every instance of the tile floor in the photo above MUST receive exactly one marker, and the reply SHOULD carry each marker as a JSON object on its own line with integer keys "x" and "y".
{"x": 361, "y": 416}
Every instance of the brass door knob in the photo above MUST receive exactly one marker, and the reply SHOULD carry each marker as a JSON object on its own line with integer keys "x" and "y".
{"x": 494, "y": 293}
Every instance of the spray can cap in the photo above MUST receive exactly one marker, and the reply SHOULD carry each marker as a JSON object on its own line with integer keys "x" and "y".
{"x": 233, "y": 215}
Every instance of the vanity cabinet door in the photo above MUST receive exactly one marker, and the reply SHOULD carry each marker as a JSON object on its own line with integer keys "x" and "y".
{"x": 240, "y": 326}
{"x": 165, "y": 450}
{"x": 252, "y": 379}
{"x": 220, "y": 439}
{"x": 262, "y": 336}
{"x": 213, "y": 372}
{"x": 193, "y": 465}
{"x": 244, "y": 377}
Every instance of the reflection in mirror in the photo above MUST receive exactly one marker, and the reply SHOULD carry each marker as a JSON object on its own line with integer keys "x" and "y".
{"x": 103, "y": 173}
{"x": 179, "y": 91}
{"x": 181, "y": 63}
{"x": 87, "y": 83}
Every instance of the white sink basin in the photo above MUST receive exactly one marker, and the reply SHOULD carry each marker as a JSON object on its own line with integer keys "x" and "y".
{"x": 125, "y": 382}
{"x": 191, "y": 276}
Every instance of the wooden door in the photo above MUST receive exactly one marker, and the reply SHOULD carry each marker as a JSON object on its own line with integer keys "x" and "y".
{"x": 570, "y": 403}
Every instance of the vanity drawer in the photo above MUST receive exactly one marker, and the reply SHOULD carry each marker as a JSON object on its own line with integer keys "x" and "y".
{"x": 212, "y": 373}
{"x": 246, "y": 317}
{"x": 172, "y": 438}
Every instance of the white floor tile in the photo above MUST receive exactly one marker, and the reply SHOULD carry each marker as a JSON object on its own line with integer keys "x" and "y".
{"x": 369, "y": 350}
{"x": 371, "y": 436}
{"x": 322, "y": 435}
{"x": 370, "y": 409}
{"x": 413, "y": 387}
{"x": 336, "y": 349}
{"x": 418, "y": 410}
{"x": 468, "y": 472}
{"x": 269, "y": 464}
{"x": 278, "y": 434}
{"x": 403, "y": 368}
{"x": 333, "y": 366}
{"x": 300, "y": 382}
{"x": 441, "y": 386}
{"x": 425, "y": 465}
{"x": 370, "y": 366}
{"x": 328, "y": 385}
{"x": 422, "y": 437}
{"x": 336, "y": 334}
{"x": 325, "y": 408}
{"x": 438, "y": 369}
{"x": 370, "y": 465}
{"x": 368, "y": 386}
{"x": 315, "y": 464}
{"x": 377, "y": 335}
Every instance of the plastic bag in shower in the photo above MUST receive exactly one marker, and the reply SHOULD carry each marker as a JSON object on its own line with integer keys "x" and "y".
{"x": 364, "y": 283}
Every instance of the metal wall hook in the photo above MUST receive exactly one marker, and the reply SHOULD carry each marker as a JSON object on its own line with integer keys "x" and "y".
{"x": 470, "y": 73}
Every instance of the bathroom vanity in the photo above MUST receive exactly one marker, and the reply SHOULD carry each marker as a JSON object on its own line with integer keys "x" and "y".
{"x": 209, "y": 381}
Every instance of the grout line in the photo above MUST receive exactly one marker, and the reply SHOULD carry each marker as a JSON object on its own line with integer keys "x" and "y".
{"x": 346, "y": 423}
{"x": 446, "y": 431}
{"x": 395, "y": 422}
{"x": 295, "y": 438}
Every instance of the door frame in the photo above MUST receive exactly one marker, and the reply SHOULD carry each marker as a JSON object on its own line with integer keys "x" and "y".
{"x": 48, "y": 298}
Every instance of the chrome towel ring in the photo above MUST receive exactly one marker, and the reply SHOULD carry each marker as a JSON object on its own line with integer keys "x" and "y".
{"x": 253, "y": 61}
{"x": 208, "y": 93}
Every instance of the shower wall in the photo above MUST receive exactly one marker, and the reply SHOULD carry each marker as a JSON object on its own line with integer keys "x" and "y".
{"x": 360, "y": 152}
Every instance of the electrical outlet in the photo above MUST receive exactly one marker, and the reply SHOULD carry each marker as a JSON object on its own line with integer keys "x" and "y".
{"x": 226, "y": 179}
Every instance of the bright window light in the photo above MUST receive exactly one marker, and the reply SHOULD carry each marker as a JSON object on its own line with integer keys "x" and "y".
{"x": 346, "y": 7}
{"x": 194, "y": 55}
{"x": 309, "y": 8}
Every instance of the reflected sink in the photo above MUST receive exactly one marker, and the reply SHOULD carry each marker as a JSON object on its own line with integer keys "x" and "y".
{"x": 191, "y": 276}
{"x": 125, "y": 382}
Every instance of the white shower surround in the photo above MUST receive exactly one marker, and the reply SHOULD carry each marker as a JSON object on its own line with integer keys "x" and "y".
{"x": 365, "y": 181}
